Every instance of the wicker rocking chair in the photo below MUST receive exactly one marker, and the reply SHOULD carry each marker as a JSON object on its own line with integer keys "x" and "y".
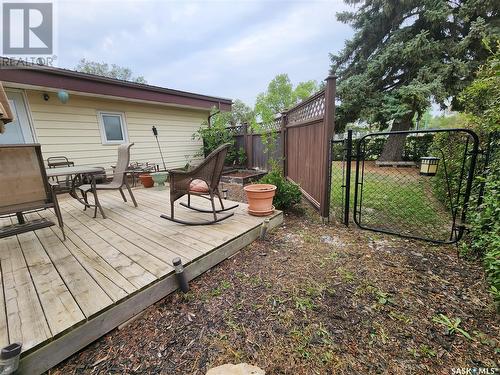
{"x": 202, "y": 181}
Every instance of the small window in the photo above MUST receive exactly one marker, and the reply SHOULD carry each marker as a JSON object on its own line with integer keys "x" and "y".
{"x": 113, "y": 130}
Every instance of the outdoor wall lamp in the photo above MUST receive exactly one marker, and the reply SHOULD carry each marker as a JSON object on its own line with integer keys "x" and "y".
{"x": 428, "y": 165}
{"x": 63, "y": 96}
{"x": 45, "y": 97}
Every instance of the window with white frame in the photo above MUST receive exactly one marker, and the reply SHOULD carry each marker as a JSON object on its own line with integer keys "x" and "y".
{"x": 113, "y": 127}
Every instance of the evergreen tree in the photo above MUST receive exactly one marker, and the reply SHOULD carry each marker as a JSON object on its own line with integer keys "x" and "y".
{"x": 405, "y": 54}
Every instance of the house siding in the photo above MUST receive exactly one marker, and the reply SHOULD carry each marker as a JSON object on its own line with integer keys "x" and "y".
{"x": 72, "y": 130}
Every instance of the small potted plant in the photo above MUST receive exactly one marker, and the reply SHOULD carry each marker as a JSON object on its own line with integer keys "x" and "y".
{"x": 160, "y": 178}
{"x": 260, "y": 199}
{"x": 146, "y": 180}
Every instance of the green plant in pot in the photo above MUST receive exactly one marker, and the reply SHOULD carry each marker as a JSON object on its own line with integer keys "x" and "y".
{"x": 287, "y": 193}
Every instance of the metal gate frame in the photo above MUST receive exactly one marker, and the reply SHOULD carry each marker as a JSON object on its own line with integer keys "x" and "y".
{"x": 457, "y": 231}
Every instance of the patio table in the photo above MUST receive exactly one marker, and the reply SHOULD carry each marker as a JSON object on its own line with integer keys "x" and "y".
{"x": 77, "y": 173}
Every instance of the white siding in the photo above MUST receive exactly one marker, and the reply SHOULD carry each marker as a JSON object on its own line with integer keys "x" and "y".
{"x": 72, "y": 130}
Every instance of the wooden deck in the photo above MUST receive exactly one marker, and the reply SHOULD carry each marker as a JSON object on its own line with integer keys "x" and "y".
{"x": 58, "y": 296}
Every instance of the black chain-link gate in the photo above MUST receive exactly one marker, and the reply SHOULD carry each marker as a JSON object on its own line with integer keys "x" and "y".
{"x": 413, "y": 184}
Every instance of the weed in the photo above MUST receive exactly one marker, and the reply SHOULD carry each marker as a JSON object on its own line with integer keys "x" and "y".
{"x": 378, "y": 333}
{"x": 346, "y": 275}
{"x": 452, "y": 325}
{"x": 255, "y": 280}
{"x": 224, "y": 285}
{"x": 427, "y": 351}
{"x": 394, "y": 315}
{"x": 188, "y": 297}
{"x": 327, "y": 357}
{"x": 413, "y": 352}
{"x": 382, "y": 297}
{"x": 304, "y": 303}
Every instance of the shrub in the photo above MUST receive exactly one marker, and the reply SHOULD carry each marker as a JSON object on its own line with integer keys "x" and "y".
{"x": 481, "y": 101}
{"x": 484, "y": 235}
{"x": 216, "y": 135}
{"x": 287, "y": 193}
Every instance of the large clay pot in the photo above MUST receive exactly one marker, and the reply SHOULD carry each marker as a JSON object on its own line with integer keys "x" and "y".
{"x": 146, "y": 180}
{"x": 260, "y": 199}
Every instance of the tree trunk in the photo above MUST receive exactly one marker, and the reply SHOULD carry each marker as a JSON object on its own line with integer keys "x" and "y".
{"x": 394, "y": 147}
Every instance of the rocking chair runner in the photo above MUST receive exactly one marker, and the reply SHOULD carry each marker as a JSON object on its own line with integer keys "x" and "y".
{"x": 202, "y": 181}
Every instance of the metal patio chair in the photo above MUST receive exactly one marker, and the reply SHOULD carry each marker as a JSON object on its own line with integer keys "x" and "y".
{"x": 25, "y": 188}
{"x": 117, "y": 183}
{"x": 202, "y": 181}
{"x": 60, "y": 162}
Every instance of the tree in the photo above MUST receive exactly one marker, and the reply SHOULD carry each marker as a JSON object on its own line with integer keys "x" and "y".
{"x": 240, "y": 114}
{"x": 103, "y": 69}
{"x": 405, "y": 54}
{"x": 280, "y": 96}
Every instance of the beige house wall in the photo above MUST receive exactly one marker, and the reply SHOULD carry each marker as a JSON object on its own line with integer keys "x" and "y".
{"x": 73, "y": 129}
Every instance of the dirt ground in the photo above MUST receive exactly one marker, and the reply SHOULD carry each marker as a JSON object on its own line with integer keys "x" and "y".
{"x": 314, "y": 299}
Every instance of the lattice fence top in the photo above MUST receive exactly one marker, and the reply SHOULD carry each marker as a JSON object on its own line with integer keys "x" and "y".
{"x": 237, "y": 129}
{"x": 314, "y": 108}
{"x": 272, "y": 126}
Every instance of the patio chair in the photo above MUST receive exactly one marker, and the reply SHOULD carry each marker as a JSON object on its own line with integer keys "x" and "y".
{"x": 25, "y": 188}
{"x": 60, "y": 162}
{"x": 202, "y": 181}
{"x": 117, "y": 183}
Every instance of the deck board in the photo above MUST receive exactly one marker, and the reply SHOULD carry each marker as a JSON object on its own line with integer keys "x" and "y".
{"x": 88, "y": 294}
{"x": 85, "y": 239}
{"x": 138, "y": 239}
{"x": 149, "y": 262}
{"x": 25, "y": 317}
{"x": 4, "y": 333}
{"x": 58, "y": 296}
{"x": 60, "y": 308}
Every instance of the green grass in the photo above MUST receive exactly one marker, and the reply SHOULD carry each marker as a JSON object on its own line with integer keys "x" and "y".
{"x": 401, "y": 201}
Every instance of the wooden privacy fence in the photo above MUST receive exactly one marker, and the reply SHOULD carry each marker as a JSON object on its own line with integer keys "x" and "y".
{"x": 257, "y": 154}
{"x": 302, "y": 145}
{"x": 309, "y": 127}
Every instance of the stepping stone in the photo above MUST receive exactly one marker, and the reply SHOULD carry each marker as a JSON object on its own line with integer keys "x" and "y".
{"x": 239, "y": 369}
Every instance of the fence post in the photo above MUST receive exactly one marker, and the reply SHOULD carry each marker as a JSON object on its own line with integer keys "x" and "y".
{"x": 348, "y": 149}
{"x": 248, "y": 146}
{"x": 328, "y": 130}
{"x": 283, "y": 142}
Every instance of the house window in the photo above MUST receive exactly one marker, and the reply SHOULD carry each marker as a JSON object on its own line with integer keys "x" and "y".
{"x": 113, "y": 129}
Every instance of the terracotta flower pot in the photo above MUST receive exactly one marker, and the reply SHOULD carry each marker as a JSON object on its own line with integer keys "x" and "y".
{"x": 260, "y": 199}
{"x": 146, "y": 180}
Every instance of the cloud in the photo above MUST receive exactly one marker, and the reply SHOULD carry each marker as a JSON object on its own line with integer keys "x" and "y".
{"x": 230, "y": 49}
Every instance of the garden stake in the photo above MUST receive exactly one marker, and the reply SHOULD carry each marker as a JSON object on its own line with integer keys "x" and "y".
{"x": 181, "y": 276}
{"x": 155, "y": 132}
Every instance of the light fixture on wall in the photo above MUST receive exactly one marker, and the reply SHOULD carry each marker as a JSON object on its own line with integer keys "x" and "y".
{"x": 429, "y": 165}
{"x": 63, "y": 96}
{"x": 45, "y": 96}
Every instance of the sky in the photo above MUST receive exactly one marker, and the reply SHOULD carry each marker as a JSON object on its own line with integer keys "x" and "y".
{"x": 230, "y": 49}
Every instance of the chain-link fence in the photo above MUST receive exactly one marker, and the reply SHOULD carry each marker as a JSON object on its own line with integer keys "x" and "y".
{"x": 415, "y": 184}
